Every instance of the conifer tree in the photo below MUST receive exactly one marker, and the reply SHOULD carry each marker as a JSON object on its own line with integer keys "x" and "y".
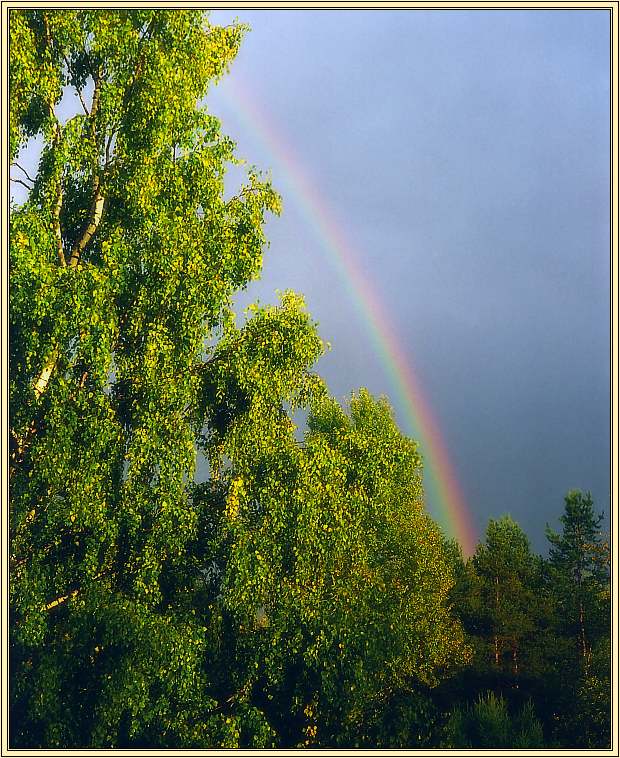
{"x": 506, "y": 569}
{"x": 579, "y": 577}
{"x": 579, "y": 583}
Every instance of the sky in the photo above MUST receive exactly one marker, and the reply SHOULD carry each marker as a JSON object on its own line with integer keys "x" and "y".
{"x": 460, "y": 159}
{"x": 445, "y": 187}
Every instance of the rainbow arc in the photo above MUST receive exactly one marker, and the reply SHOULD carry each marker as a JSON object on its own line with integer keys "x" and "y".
{"x": 439, "y": 477}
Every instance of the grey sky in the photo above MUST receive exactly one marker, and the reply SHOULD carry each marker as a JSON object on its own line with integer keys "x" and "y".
{"x": 465, "y": 156}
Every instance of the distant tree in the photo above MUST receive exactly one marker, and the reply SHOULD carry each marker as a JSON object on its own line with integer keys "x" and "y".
{"x": 506, "y": 571}
{"x": 507, "y": 612}
{"x": 488, "y": 723}
{"x": 580, "y": 574}
{"x": 579, "y": 583}
{"x": 540, "y": 634}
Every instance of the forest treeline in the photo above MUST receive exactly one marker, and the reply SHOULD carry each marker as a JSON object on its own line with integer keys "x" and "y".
{"x": 297, "y": 593}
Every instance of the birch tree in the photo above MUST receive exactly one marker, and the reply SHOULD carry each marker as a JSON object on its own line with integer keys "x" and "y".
{"x": 123, "y": 257}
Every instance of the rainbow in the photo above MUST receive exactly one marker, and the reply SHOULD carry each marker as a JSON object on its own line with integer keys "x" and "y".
{"x": 440, "y": 479}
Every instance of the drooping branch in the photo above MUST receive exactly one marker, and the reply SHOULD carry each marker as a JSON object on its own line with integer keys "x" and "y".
{"x": 108, "y": 149}
{"x": 244, "y": 193}
{"x": 199, "y": 368}
{"x": 23, "y": 170}
{"x": 19, "y": 181}
{"x": 146, "y": 35}
{"x": 129, "y": 89}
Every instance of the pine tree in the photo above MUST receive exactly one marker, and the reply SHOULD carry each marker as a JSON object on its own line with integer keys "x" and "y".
{"x": 578, "y": 574}
{"x": 506, "y": 570}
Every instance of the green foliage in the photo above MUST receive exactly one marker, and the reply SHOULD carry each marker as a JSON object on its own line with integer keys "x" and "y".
{"x": 300, "y": 595}
{"x": 593, "y": 703}
{"x": 506, "y": 572}
{"x": 406, "y": 719}
{"x": 499, "y": 598}
{"x": 487, "y": 723}
{"x": 579, "y": 581}
{"x": 335, "y": 579}
{"x": 580, "y": 578}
